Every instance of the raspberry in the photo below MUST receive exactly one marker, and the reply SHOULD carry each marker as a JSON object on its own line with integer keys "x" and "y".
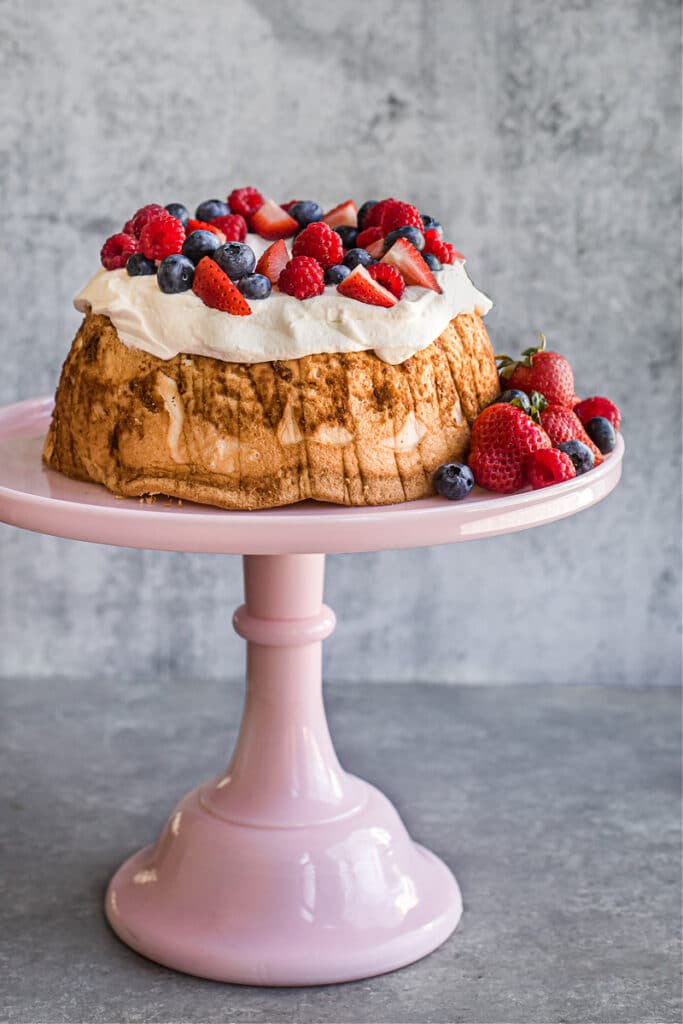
{"x": 162, "y": 236}
{"x": 321, "y": 242}
{"x": 233, "y": 226}
{"x": 368, "y": 236}
{"x": 548, "y": 466}
{"x": 443, "y": 251}
{"x": 303, "y": 277}
{"x": 388, "y": 277}
{"x": 373, "y": 218}
{"x": 598, "y": 406}
{"x": 116, "y": 250}
{"x": 245, "y": 201}
{"x": 400, "y": 215}
{"x": 203, "y": 225}
{"x": 137, "y": 222}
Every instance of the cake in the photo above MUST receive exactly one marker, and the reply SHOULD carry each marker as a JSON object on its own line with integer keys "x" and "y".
{"x": 220, "y": 362}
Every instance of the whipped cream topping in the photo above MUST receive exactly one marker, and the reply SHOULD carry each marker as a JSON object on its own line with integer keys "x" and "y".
{"x": 281, "y": 326}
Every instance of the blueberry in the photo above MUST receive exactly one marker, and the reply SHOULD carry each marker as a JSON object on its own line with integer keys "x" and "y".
{"x": 580, "y": 454}
{"x": 348, "y": 235}
{"x": 453, "y": 480}
{"x": 175, "y": 274}
{"x": 364, "y": 211}
{"x": 235, "y": 258}
{"x": 138, "y": 265}
{"x": 255, "y": 286}
{"x": 333, "y": 275}
{"x": 431, "y": 224}
{"x": 432, "y": 262}
{"x": 306, "y": 212}
{"x": 200, "y": 243}
{"x": 414, "y": 236}
{"x": 599, "y": 429}
{"x": 516, "y": 397}
{"x": 180, "y": 212}
{"x": 355, "y": 256}
{"x": 211, "y": 208}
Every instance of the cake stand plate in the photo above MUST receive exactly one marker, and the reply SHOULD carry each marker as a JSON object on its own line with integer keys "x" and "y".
{"x": 284, "y": 869}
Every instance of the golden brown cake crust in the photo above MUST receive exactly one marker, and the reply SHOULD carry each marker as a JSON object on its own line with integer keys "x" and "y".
{"x": 348, "y": 428}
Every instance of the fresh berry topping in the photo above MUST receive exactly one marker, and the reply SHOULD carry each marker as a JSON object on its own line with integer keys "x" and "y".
{"x": 514, "y": 397}
{"x": 443, "y": 251}
{"x": 345, "y": 214}
{"x": 303, "y": 277}
{"x": 414, "y": 236}
{"x": 271, "y": 221}
{"x": 204, "y": 225}
{"x": 562, "y": 424}
{"x": 321, "y": 242}
{"x": 367, "y": 236}
{"x": 453, "y": 480}
{"x": 141, "y": 217}
{"x": 233, "y": 226}
{"x": 408, "y": 261}
{"x": 162, "y": 236}
{"x": 337, "y": 273}
{"x": 210, "y": 209}
{"x": 216, "y": 290}
{"x": 235, "y": 258}
{"x": 306, "y": 212}
{"x": 245, "y": 201}
{"x": 539, "y": 370}
{"x": 348, "y": 236}
{"x": 116, "y": 250}
{"x": 400, "y": 215}
{"x": 502, "y": 437}
{"x": 580, "y": 454}
{"x": 288, "y": 206}
{"x": 599, "y": 429}
{"x": 359, "y": 285}
{"x": 178, "y": 211}
{"x": 139, "y": 266}
{"x": 598, "y": 406}
{"x": 255, "y": 286}
{"x": 200, "y": 243}
{"x": 273, "y": 261}
{"x": 363, "y": 213}
{"x": 548, "y": 466}
{"x": 388, "y": 277}
{"x": 432, "y": 236}
{"x": 373, "y": 217}
{"x": 175, "y": 274}
{"x": 356, "y": 256}
{"x": 376, "y": 249}
{"x": 430, "y": 259}
{"x": 430, "y": 224}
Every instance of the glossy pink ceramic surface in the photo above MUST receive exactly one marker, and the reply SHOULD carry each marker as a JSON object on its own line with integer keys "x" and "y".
{"x": 284, "y": 869}
{"x": 39, "y": 499}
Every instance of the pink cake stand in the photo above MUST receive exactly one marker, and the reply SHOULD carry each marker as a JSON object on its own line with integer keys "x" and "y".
{"x": 284, "y": 869}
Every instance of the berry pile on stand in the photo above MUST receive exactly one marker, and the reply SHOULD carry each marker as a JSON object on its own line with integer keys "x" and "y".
{"x": 536, "y": 433}
{"x": 369, "y": 254}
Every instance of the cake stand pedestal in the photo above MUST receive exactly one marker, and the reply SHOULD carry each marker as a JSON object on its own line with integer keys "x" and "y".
{"x": 284, "y": 869}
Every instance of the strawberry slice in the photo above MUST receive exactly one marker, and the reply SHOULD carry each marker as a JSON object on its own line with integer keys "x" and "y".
{"x": 273, "y": 261}
{"x": 216, "y": 290}
{"x": 344, "y": 214}
{"x": 271, "y": 221}
{"x": 202, "y": 225}
{"x": 405, "y": 257}
{"x": 359, "y": 285}
{"x": 376, "y": 248}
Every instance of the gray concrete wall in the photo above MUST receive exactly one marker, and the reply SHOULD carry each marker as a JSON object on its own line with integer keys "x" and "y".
{"x": 546, "y": 135}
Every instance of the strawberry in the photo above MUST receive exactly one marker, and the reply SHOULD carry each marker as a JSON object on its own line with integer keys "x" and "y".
{"x": 359, "y": 285}
{"x": 273, "y": 261}
{"x": 502, "y": 438}
{"x": 409, "y": 263}
{"x": 271, "y": 221}
{"x": 376, "y": 248}
{"x": 367, "y": 236}
{"x": 547, "y": 372}
{"x": 562, "y": 424}
{"x": 203, "y": 225}
{"x": 598, "y": 406}
{"x": 216, "y": 290}
{"x": 345, "y": 213}
{"x": 548, "y": 466}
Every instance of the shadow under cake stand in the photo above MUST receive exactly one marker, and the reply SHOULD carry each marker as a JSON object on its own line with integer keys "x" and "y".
{"x": 284, "y": 869}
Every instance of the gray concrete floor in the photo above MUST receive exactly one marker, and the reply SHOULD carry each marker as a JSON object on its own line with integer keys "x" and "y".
{"x": 558, "y": 809}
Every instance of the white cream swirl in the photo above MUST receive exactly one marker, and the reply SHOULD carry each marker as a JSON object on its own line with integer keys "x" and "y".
{"x": 280, "y": 327}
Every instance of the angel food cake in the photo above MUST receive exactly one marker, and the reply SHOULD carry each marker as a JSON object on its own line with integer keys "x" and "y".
{"x": 259, "y": 355}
